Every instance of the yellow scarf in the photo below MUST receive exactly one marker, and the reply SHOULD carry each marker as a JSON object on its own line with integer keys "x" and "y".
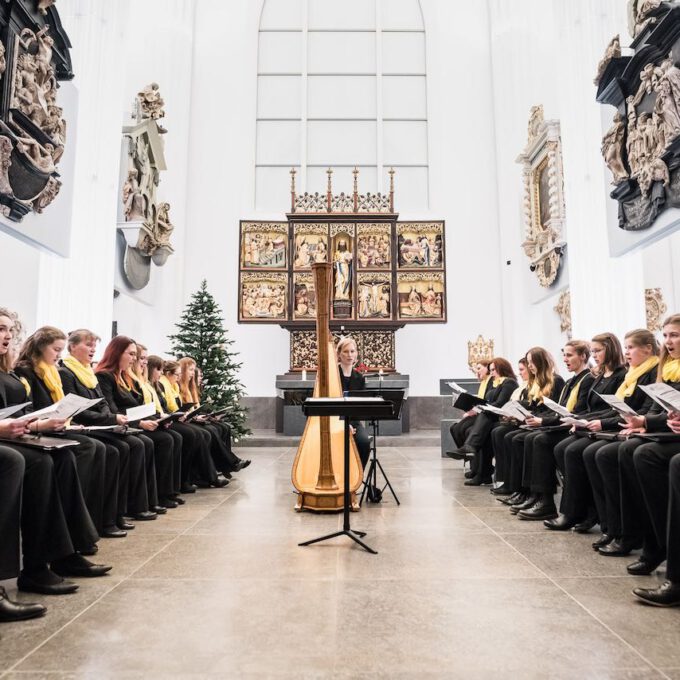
{"x": 498, "y": 381}
{"x": 482, "y": 388}
{"x": 171, "y": 393}
{"x": 50, "y": 376}
{"x": 627, "y": 387}
{"x": 671, "y": 371}
{"x": 573, "y": 395}
{"x": 85, "y": 374}
{"x": 27, "y": 387}
{"x": 148, "y": 392}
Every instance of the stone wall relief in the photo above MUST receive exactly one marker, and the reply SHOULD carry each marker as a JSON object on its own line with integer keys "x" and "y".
{"x": 655, "y": 308}
{"x": 563, "y": 310}
{"x": 543, "y": 202}
{"x": 146, "y": 223}
{"x": 34, "y": 56}
{"x": 479, "y": 350}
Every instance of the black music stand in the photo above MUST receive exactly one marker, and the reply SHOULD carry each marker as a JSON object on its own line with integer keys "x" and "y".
{"x": 352, "y": 408}
{"x": 396, "y": 398}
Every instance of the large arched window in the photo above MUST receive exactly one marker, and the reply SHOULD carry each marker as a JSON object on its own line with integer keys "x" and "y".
{"x": 339, "y": 84}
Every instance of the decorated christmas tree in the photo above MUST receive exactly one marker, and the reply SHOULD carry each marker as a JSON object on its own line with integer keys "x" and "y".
{"x": 201, "y": 336}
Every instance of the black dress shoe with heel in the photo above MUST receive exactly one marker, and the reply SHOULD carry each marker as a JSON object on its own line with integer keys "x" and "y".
{"x": 605, "y": 539}
{"x": 645, "y": 565}
{"x": 560, "y": 523}
{"x": 113, "y": 532}
{"x": 620, "y": 547}
{"x": 77, "y": 565}
{"x": 45, "y": 582}
{"x": 544, "y": 508}
{"x": 584, "y": 526}
{"x": 123, "y": 524}
{"x": 18, "y": 611}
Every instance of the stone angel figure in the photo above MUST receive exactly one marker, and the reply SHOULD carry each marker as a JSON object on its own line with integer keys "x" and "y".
{"x": 133, "y": 199}
{"x": 613, "y": 51}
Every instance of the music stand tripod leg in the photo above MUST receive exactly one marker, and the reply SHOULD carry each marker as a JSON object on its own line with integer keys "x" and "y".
{"x": 387, "y": 481}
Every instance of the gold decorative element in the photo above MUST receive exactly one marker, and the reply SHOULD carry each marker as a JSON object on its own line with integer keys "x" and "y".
{"x": 375, "y": 347}
{"x": 304, "y": 297}
{"x": 479, "y": 350}
{"x": 655, "y": 308}
{"x": 264, "y": 245}
{"x": 342, "y": 228}
{"x": 374, "y": 245}
{"x": 563, "y": 309}
{"x": 613, "y": 51}
{"x": 374, "y": 295}
{"x": 310, "y": 241}
{"x": 420, "y": 245}
{"x": 543, "y": 203}
{"x": 420, "y": 296}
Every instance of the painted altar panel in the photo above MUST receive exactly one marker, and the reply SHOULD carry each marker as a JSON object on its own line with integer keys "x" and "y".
{"x": 421, "y": 296}
{"x": 263, "y": 296}
{"x": 264, "y": 245}
{"x": 310, "y": 244}
{"x": 374, "y": 246}
{"x": 420, "y": 245}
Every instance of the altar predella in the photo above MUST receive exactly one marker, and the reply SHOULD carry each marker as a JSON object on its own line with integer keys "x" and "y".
{"x": 34, "y": 57}
{"x": 642, "y": 147}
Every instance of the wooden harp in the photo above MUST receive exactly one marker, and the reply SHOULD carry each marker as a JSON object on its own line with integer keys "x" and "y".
{"x": 317, "y": 473}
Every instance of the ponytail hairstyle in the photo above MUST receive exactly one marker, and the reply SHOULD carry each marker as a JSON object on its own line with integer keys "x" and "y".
{"x": 31, "y": 352}
{"x": 581, "y": 347}
{"x": 641, "y": 337}
{"x": 613, "y": 353}
{"x": 672, "y": 320}
{"x": 544, "y": 377}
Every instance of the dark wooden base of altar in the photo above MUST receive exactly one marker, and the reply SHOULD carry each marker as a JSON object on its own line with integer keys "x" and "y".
{"x": 291, "y": 391}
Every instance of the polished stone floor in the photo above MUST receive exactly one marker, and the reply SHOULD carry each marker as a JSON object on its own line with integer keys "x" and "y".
{"x": 219, "y": 589}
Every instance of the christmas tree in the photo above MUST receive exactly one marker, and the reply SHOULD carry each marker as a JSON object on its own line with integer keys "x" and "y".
{"x": 201, "y": 336}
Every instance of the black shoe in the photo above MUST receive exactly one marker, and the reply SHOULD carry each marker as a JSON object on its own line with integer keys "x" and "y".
{"x": 179, "y": 500}
{"x": 666, "y": 595}
{"x": 585, "y": 526}
{"x": 168, "y": 503}
{"x": 501, "y": 490}
{"x": 645, "y": 565}
{"x": 528, "y": 502}
{"x": 516, "y": 497}
{"x": 219, "y": 483}
{"x": 18, "y": 611}
{"x": 159, "y": 509}
{"x": 202, "y": 485}
{"x": 188, "y": 488}
{"x": 544, "y": 508}
{"x": 245, "y": 462}
{"x": 123, "y": 524}
{"x": 77, "y": 565}
{"x": 469, "y": 474}
{"x": 45, "y": 582}
{"x": 90, "y": 550}
{"x": 113, "y": 532}
{"x": 464, "y": 452}
{"x": 227, "y": 475}
{"x": 145, "y": 516}
{"x": 560, "y": 523}
{"x": 605, "y": 539}
{"x": 619, "y": 547}
{"x": 241, "y": 465}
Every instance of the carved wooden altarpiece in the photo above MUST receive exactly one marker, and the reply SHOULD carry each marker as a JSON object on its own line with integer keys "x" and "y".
{"x": 386, "y": 273}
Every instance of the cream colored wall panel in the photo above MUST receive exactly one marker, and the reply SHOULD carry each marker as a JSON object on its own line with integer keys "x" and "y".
{"x": 280, "y": 52}
{"x": 403, "y": 53}
{"x": 337, "y": 52}
{"x": 341, "y": 142}
{"x": 404, "y": 97}
{"x": 401, "y": 14}
{"x": 278, "y": 141}
{"x": 279, "y": 97}
{"x": 410, "y": 188}
{"x": 343, "y": 180}
{"x": 341, "y": 97}
{"x": 345, "y": 15}
{"x": 404, "y": 142}
{"x": 281, "y": 14}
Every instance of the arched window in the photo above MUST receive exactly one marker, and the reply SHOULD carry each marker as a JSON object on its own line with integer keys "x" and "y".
{"x": 341, "y": 84}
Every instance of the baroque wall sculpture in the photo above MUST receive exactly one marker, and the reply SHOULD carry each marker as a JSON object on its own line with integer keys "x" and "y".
{"x": 543, "y": 204}
{"x": 479, "y": 350}
{"x": 146, "y": 224}
{"x": 34, "y": 57}
{"x": 655, "y": 308}
{"x": 563, "y": 310}
{"x": 642, "y": 146}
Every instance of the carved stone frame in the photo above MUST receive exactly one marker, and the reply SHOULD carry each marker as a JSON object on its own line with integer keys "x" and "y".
{"x": 544, "y": 241}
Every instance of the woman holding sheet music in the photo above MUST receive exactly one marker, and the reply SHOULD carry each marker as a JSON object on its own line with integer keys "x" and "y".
{"x": 113, "y": 373}
{"x": 460, "y": 429}
{"x": 577, "y": 508}
{"x": 78, "y": 377}
{"x": 55, "y": 522}
{"x": 97, "y": 467}
{"x": 641, "y": 352}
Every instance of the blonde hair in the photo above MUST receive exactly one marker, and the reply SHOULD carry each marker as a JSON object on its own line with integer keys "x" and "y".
{"x": 545, "y": 370}
{"x": 672, "y": 320}
{"x": 344, "y": 341}
{"x": 7, "y": 360}
{"x": 188, "y": 387}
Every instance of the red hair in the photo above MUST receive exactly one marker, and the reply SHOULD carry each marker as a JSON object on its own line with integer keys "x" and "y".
{"x": 110, "y": 361}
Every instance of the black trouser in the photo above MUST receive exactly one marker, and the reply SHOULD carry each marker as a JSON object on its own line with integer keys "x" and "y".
{"x": 363, "y": 442}
{"x": 224, "y": 458}
{"x": 108, "y": 476}
{"x": 480, "y": 430}
{"x": 45, "y": 536}
{"x": 162, "y": 444}
{"x": 635, "y": 520}
{"x": 652, "y": 463}
{"x": 133, "y": 497}
{"x": 673, "y": 534}
{"x": 528, "y": 464}
{"x": 543, "y": 463}
{"x": 203, "y": 469}
{"x": 577, "y": 497}
{"x": 498, "y": 433}
{"x": 177, "y": 449}
{"x": 513, "y": 443}
{"x": 601, "y": 459}
{"x": 190, "y": 444}
{"x": 459, "y": 430}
